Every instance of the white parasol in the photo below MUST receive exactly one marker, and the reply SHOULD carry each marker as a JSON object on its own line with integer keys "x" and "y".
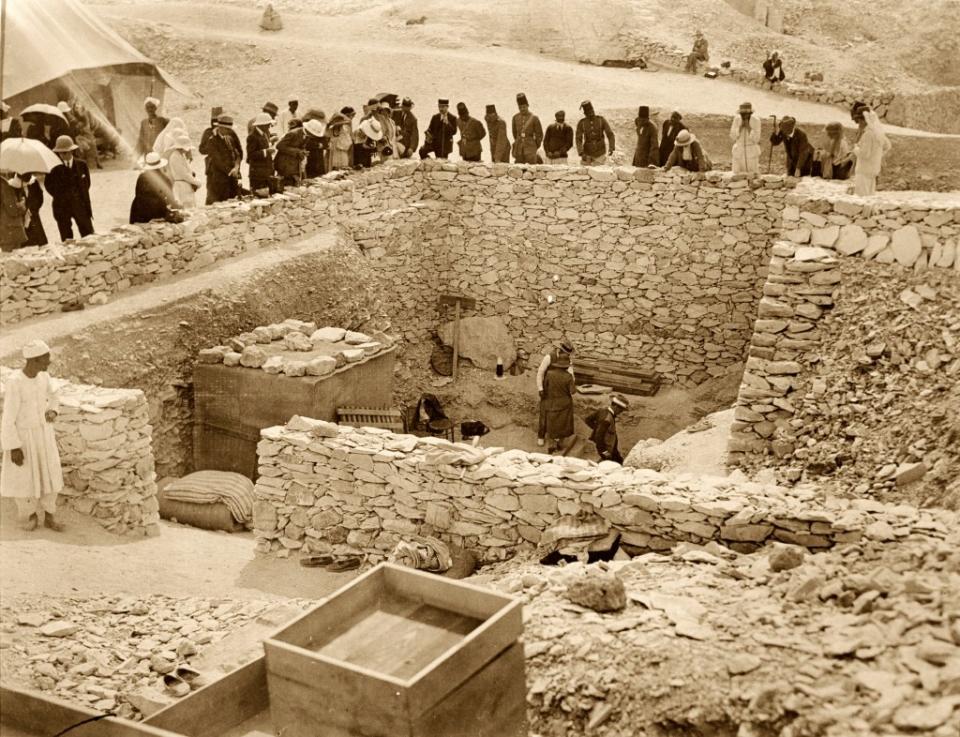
{"x": 26, "y": 155}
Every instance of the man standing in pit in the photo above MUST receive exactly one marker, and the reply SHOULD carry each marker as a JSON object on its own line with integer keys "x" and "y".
{"x": 565, "y": 348}
{"x": 604, "y": 425}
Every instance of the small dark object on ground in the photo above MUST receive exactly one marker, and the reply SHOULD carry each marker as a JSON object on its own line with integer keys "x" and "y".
{"x": 316, "y": 561}
{"x": 637, "y": 63}
{"x": 71, "y": 306}
{"x": 344, "y": 564}
{"x": 417, "y": 21}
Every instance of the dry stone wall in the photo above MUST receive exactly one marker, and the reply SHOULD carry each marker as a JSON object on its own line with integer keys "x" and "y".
{"x": 809, "y": 380}
{"x": 42, "y": 280}
{"x": 662, "y": 269}
{"x": 329, "y": 488}
{"x": 104, "y": 441}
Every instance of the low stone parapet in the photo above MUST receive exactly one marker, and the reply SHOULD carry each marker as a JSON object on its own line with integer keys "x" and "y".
{"x": 329, "y": 488}
{"x": 104, "y": 438}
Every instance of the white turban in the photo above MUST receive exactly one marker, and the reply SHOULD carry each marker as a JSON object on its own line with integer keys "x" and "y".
{"x": 153, "y": 100}
{"x": 35, "y": 349}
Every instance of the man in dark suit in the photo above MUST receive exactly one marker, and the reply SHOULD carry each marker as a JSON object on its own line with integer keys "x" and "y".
{"x": 223, "y": 152}
{"x": 69, "y": 186}
{"x": 671, "y": 128}
{"x": 408, "y": 134}
{"x": 799, "y": 150}
{"x": 439, "y": 138}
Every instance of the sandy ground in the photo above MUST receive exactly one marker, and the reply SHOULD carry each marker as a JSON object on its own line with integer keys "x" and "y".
{"x": 183, "y": 561}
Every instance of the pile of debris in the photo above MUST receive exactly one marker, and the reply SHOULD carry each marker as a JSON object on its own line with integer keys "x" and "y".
{"x": 883, "y": 410}
{"x": 862, "y": 639}
{"x": 110, "y": 653}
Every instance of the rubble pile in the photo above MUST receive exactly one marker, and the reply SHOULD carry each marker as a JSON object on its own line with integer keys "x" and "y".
{"x": 104, "y": 437}
{"x": 861, "y": 640}
{"x": 110, "y": 653}
{"x": 329, "y": 488}
{"x": 269, "y": 348}
{"x": 883, "y": 409}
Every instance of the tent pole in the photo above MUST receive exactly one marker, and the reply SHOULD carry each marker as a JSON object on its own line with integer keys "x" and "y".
{"x": 3, "y": 40}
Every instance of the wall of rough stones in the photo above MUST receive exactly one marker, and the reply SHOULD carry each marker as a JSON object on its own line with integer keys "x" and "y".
{"x": 825, "y": 236}
{"x": 330, "y": 488}
{"x": 104, "y": 441}
{"x": 42, "y": 280}
{"x": 661, "y": 269}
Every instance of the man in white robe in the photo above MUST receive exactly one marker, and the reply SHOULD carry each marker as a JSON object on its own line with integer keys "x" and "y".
{"x": 872, "y": 143}
{"x": 31, "y": 472}
{"x": 745, "y": 137}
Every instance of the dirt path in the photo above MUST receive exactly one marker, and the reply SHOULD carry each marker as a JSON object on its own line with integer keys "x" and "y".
{"x": 86, "y": 560}
{"x": 61, "y": 326}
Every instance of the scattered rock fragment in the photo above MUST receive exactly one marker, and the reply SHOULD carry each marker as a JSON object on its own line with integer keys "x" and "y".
{"x": 602, "y": 592}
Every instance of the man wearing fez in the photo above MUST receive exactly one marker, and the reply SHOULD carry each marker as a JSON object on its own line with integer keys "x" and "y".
{"x": 591, "y": 132}
{"x": 31, "y": 471}
{"x": 648, "y": 147}
{"x": 471, "y": 133}
{"x": 499, "y": 142}
{"x": 527, "y": 134}
{"x": 439, "y": 137}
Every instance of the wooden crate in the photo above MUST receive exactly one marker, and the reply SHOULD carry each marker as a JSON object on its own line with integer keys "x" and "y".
{"x": 401, "y": 653}
{"x": 619, "y": 376}
{"x": 384, "y": 417}
{"x": 236, "y": 705}
{"x": 31, "y": 714}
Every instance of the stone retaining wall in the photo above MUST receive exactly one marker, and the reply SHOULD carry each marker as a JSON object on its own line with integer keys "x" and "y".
{"x": 41, "y": 280}
{"x": 662, "y": 269}
{"x": 104, "y": 440}
{"x": 329, "y": 488}
{"x": 821, "y": 228}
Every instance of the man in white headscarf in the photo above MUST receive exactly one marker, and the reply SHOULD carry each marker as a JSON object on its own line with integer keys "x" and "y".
{"x": 31, "y": 471}
{"x": 872, "y": 143}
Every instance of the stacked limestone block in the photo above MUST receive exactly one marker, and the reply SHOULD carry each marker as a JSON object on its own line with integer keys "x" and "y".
{"x": 821, "y": 227}
{"x": 659, "y": 269}
{"x": 327, "y": 488}
{"x": 104, "y": 439}
{"x": 42, "y": 279}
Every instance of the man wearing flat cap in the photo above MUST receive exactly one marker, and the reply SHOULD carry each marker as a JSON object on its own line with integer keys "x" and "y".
{"x": 797, "y": 145}
{"x": 745, "y": 137}
{"x": 648, "y": 147}
{"x": 564, "y": 350}
{"x": 591, "y": 131}
{"x": 603, "y": 422}
{"x": 558, "y": 139}
{"x": 471, "y": 133}
{"x": 439, "y": 137}
{"x": 408, "y": 134}
{"x": 31, "y": 472}
{"x": 527, "y": 134}
{"x": 499, "y": 142}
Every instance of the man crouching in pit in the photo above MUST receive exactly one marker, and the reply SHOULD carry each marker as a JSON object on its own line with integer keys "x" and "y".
{"x": 31, "y": 471}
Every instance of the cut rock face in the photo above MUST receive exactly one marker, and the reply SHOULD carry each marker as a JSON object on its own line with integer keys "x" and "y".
{"x": 482, "y": 340}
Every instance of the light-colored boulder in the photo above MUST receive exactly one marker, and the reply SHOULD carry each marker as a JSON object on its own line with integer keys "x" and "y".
{"x": 328, "y": 335}
{"x": 482, "y": 340}
{"x": 853, "y": 239}
{"x": 906, "y": 245}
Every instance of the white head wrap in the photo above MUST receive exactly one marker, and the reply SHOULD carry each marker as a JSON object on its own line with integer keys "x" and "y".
{"x": 35, "y": 349}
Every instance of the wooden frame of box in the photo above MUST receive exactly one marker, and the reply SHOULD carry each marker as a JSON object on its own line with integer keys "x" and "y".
{"x": 31, "y": 714}
{"x": 401, "y": 653}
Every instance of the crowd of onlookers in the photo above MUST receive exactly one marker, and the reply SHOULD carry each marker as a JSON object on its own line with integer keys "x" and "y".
{"x": 285, "y": 147}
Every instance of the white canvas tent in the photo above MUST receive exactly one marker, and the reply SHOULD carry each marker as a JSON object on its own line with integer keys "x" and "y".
{"x": 59, "y": 50}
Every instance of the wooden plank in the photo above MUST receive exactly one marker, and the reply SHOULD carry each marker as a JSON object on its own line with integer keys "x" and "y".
{"x": 219, "y": 706}
{"x": 449, "y": 671}
{"x": 491, "y": 703}
{"x": 456, "y": 596}
{"x": 334, "y": 615}
{"x": 38, "y": 715}
{"x": 400, "y": 638}
{"x": 313, "y": 697}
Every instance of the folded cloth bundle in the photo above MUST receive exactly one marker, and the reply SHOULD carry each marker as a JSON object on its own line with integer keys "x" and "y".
{"x": 423, "y": 554}
{"x": 573, "y": 535}
{"x": 207, "y": 487}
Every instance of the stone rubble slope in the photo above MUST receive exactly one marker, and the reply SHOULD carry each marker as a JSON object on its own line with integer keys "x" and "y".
{"x": 861, "y": 640}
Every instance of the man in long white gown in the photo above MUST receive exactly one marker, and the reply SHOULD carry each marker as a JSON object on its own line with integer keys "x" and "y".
{"x": 869, "y": 150}
{"x": 31, "y": 471}
{"x": 745, "y": 137}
